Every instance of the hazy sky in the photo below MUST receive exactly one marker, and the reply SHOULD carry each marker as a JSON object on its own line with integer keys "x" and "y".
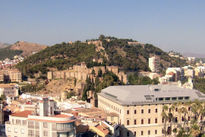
{"x": 169, "y": 24}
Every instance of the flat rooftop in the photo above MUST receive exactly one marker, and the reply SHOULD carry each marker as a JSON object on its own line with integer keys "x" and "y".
{"x": 149, "y": 94}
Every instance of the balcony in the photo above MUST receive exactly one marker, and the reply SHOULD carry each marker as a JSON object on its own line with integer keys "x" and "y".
{"x": 65, "y": 129}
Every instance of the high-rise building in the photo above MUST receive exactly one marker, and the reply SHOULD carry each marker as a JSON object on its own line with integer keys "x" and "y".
{"x": 140, "y": 107}
{"x": 154, "y": 64}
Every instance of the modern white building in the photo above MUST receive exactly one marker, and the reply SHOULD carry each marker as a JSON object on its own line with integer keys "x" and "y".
{"x": 41, "y": 123}
{"x": 154, "y": 64}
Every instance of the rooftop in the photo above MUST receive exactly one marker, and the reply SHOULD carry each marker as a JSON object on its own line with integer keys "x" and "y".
{"x": 8, "y": 85}
{"x": 146, "y": 94}
{"x": 22, "y": 113}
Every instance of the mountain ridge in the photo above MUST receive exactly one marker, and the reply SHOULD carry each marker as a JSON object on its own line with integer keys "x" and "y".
{"x": 127, "y": 54}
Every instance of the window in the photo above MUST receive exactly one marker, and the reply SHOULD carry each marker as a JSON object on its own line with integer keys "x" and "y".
{"x": 37, "y": 134}
{"x": 45, "y": 125}
{"x": 149, "y": 121}
{"x": 135, "y": 111}
{"x": 9, "y": 129}
{"x": 156, "y": 110}
{"x": 148, "y": 132}
{"x": 134, "y": 133}
{"x": 176, "y": 109}
{"x": 176, "y": 120}
{"x": 186, "y": 98}
{"x": 22, "y": 131}
{"x": 128, "y": 134}
{"x": 155, "y": 132}
{"x": 142, "y": 121}
{"x": 30, "y": 133}
{"x": 142, "y": 111}
{"x": 18, "y": 122}
{"x": 167, "y": 99}
{"x": 142, "y": 133}
{"x": 182, "y": 118}
{"x": 155, "y": 120}
{"x": 162, "y": 120}
{"x": 128, "y": 111}
{"x": 128, "y": 122}
{"x": 149, "y": 110}
{"x": 24, "y": 122}
{"x": 174, "y": 98}
{"x": 189, "y": 109}
{"x": 180, "y": 98}
{"x": 189, "y": 118}
{"x": 30, "y": 124}
{"x": 161, "y": 99}
{"x": 135, "y": 122}
{"x": 45, "y": 133}
{"x": 37, "y": 125}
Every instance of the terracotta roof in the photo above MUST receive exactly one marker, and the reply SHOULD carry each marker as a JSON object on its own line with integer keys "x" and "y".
{"x": 103, "y": 129}
{"x": 52, "y": 121}
{"x": 22, "y": 113}
{"x": 61, "y": 116}
{"x": 7, "y": 85}
{"x": 82, "y": 128}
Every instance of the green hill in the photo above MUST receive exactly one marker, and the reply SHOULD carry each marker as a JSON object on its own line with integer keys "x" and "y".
{"x": 8, "y": 53}
{"x": 129, "y": 57}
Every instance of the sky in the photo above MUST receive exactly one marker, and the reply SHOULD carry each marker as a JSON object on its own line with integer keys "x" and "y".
{"x": 177, "y": 25}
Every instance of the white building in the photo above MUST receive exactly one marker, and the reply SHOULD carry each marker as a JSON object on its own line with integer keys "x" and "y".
{"x": 154, "y": 64}
{"x": 41, "y": 123}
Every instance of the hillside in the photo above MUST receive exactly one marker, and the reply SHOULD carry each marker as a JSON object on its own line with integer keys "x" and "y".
{"x": 19, "y": 48}
{"x": 27, "y": 48}
{"x": 129, "y": 55}
{"x": 3, "y": 45}
{"x": 8, "y": 53}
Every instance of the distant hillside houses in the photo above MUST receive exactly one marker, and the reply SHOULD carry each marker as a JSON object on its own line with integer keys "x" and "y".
{"x": 175, "y": 74}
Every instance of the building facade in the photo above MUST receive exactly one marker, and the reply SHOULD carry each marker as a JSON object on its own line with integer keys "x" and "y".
{"x": 10, "y": 75}
{"x": 154, "y": 64}
{"x": 140, "y": 107}
{"x": 41, "y": 123}
{"x": 9, "y": 90}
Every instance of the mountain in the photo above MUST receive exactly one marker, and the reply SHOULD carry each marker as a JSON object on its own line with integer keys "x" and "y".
{"x": 27, "y": 48}
{"x": 129, "y": 55}
{"x": 8, "y": 53}
{"x": 19, "y": 48}
{"x": 3, "y": 45}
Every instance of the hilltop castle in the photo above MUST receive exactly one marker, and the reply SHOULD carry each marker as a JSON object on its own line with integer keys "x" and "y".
{"x": 81, "y": 72}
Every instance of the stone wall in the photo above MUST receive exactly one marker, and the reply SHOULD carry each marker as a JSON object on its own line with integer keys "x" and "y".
{"x": 10, "y": 75}
{"x": 81, "y": 72}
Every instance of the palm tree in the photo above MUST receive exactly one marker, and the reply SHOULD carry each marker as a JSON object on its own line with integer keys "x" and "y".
{"x": 165, "y": 117}
{"x": 172, "y": 115}
{"x": 197, "y": 110}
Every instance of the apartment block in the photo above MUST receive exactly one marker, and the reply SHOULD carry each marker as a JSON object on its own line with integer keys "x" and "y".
{"x": 10, "y": 75}
{"x": 9, "y": 90}
{"x": 154, "y": 64}
{"x": 43, "y": 122}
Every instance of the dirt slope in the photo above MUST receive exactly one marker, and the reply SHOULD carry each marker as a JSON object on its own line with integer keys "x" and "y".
{"x": 27, "y": 47}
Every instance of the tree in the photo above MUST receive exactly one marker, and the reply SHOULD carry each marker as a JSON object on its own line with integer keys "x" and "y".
{"x": 101, "y": 37}
{"x": 165, "y": 117}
